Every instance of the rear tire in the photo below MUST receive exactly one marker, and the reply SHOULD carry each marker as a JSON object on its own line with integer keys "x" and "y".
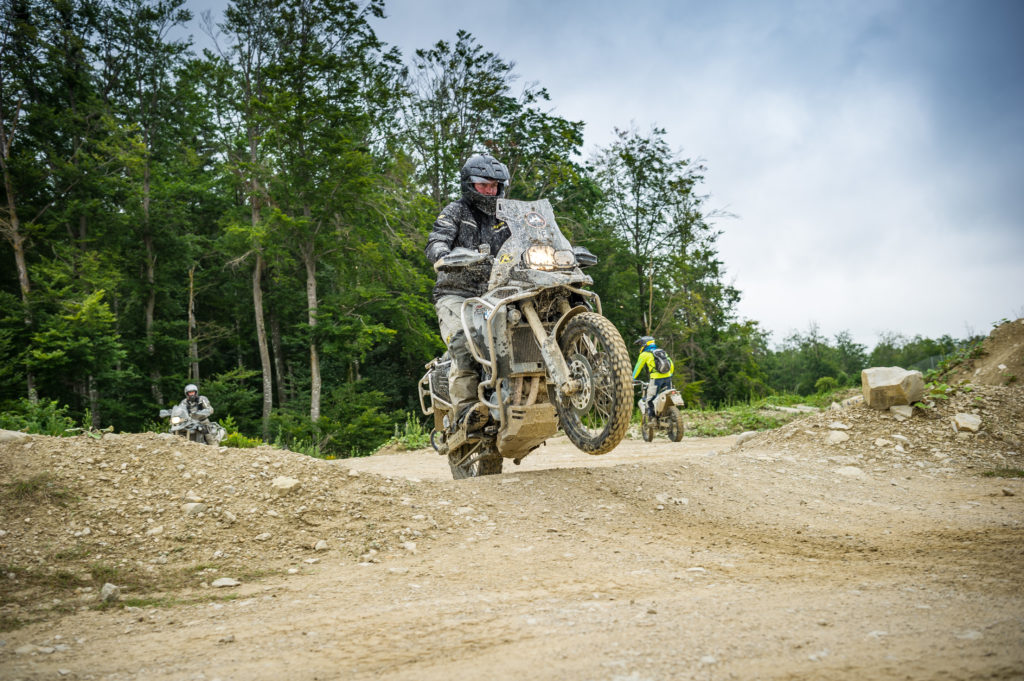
{"x": 488, "y": 465}
{"x": 595, "y": 419}
{"x": 675, "y": 424}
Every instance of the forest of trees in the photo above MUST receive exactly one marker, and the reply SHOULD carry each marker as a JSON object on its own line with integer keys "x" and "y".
{"x": 252, "y": 219}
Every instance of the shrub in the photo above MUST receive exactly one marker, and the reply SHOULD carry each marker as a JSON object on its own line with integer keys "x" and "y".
{"x": 412, "y": 435}
{"x": 41, "y": 418}
{"x": 825, "y": 384}
{"x": 236, "y": 439}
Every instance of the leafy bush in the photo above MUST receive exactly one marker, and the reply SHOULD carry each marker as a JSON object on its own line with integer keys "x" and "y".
{"x": 236, "y": 439}
{"x": 41, "y": 418}
{"x": 412, "y": 435}
{"x": 826, "y": 384}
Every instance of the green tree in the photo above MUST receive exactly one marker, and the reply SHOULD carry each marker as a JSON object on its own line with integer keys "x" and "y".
{"x": 139, "y": 65}
{"x": 19, "y": 69}
{"x": 81, "y": 349}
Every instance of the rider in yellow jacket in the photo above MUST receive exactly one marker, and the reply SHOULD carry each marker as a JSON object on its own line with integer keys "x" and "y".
{"x": 658, "y": 381}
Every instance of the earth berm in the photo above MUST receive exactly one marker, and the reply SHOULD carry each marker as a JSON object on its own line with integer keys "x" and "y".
{"x": 890, "y": 555}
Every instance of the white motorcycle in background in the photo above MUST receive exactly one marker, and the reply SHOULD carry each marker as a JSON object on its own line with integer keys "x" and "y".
{"x": 666, "y": 414}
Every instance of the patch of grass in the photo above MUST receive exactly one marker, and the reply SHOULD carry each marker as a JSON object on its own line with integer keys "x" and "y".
{"x": 103, "y": 573}
{"x": 8, "y": 623}
{"x": 193, "y": 570}
{"x": 247, "y": 576}
{"x": 61, "y": 580}
{"x": 77, "y": 552}
{"x": 1004, "y": 473}
{"x": 732, "y": 420}
{"x": 38, "y": 489}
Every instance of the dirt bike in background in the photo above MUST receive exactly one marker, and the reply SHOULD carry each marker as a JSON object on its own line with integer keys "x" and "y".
{"x": 548, "y": 357}
{"x": 194, "y": 430}
{"x": 667, "y": 417}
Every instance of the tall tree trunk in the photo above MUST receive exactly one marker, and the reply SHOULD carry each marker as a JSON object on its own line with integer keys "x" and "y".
{"x": 193, "y": 343}
{"x": 314, "y": 357}
{"x": 11, "y": 230}
{"x": 275, "y": 342}
{"x": 147, "y": 240}
{"x": 261, "y": 339}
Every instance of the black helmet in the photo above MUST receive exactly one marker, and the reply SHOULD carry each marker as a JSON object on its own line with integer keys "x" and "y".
{"x": 644, "y": 341}
{"x": 482, "y": 168}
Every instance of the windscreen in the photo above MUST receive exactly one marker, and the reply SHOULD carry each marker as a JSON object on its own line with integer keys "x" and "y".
{"x": 535, "y": 240}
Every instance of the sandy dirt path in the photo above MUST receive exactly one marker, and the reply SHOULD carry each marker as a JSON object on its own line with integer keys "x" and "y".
{"x": 655, "y": 562}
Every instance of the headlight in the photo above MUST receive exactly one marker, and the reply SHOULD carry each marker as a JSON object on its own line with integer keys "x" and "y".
{"x": 547, "y": 258}
{"x": 175, "y": 420}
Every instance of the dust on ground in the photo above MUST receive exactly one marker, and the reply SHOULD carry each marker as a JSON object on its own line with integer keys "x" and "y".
{"x": 890, "y": 555}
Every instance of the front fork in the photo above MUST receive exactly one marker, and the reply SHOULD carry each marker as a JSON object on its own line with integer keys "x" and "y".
{"x": 549, "y": 350}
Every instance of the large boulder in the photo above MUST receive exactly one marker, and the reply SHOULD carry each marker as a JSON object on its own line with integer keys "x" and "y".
{"x": 886, "y": 386}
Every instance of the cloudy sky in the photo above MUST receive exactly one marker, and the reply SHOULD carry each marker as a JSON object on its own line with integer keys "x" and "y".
{"x": 871, "y": 152}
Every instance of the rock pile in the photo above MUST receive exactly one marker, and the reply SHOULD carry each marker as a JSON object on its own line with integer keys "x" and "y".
{"x": 973, "y": 427}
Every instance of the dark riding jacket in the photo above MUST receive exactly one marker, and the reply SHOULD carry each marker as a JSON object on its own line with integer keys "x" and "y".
{"x": 461, "y": 225}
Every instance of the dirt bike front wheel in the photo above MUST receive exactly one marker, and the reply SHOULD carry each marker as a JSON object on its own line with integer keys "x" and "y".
{"x": 647, "y": 428}
{"x": 675, "y": 424}
{"x": 596, "y": 416}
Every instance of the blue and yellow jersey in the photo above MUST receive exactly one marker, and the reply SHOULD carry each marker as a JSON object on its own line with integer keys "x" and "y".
{"x": 646, "y": 359}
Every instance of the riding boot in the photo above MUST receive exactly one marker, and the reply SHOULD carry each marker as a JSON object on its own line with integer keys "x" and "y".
{"x": 463, "y": 381}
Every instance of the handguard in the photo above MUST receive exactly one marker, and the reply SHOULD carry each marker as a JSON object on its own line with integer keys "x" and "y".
{"x": 460, "y": 258}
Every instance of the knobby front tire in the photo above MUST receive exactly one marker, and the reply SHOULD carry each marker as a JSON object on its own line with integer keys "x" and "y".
{"x": 595, "y": 418}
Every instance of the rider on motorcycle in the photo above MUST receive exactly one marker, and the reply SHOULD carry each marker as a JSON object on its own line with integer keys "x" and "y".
{"x": 469, "y": 222}
{"x": 199, "y": 408}
{"x": 658, "y": 381}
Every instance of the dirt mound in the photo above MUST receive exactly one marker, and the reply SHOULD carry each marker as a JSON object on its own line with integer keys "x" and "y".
{"x": 858, "y": 435}
{"x": 658, "y": 560}
{"x": 1000, "y": 361}
{"x": 155, "y": 513}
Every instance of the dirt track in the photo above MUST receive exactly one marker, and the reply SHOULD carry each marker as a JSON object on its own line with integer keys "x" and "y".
{"x": 655, "y": 562}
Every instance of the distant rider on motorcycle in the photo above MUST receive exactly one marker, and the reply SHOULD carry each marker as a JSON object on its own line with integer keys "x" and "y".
{"x": 468, "y": 223}
{"x": 659, "y": 381}
{"x": 199, "y": 408}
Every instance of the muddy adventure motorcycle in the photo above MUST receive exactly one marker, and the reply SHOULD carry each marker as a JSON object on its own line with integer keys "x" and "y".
{"x": 193, "y": 429}
{"x": 667, "y": 417}
{"x": 548, "y": 358}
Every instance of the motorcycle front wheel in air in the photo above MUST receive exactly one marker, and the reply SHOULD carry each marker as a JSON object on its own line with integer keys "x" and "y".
{"x": 595, "y": 417}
